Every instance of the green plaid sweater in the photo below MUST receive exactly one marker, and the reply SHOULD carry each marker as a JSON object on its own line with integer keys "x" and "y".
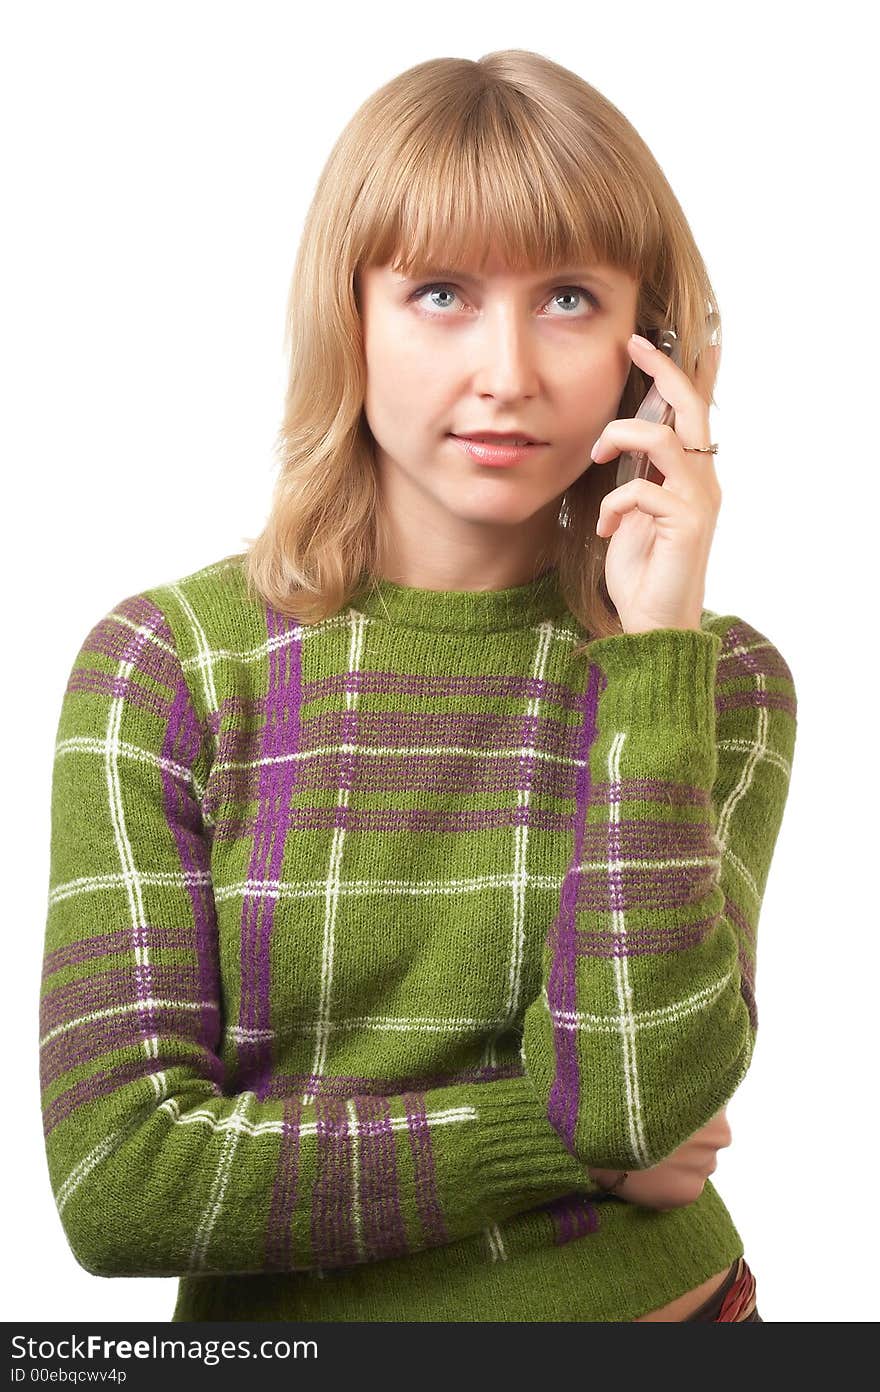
{"x": 366, "y": 938}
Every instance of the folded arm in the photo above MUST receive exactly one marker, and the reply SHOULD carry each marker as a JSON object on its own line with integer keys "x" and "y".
{"x": 646, "y": 1022}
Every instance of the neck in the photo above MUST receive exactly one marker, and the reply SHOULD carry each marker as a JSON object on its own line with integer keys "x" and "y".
{"x": 475, "y": 563}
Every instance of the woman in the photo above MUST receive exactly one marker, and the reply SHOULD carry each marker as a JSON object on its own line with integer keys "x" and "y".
{"x": 408, "y": 964}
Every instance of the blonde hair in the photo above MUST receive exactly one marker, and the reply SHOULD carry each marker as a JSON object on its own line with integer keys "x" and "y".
{"x": 513, "y": 153}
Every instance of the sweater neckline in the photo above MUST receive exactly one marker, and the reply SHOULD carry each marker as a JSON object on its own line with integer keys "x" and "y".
{"x": 462, "y": 611}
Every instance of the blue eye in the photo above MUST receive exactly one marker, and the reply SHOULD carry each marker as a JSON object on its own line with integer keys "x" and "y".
{"x": 423, "y": 290}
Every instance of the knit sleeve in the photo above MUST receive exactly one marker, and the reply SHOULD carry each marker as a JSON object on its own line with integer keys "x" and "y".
{"x": 646, "y": 1021}
{"x": 157, "y": 1169}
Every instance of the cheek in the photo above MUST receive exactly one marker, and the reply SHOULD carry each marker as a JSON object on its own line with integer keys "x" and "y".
{"x": 592, "y": 394}
{"x": 395, "y": 413}
{"x": 401, "y": 378}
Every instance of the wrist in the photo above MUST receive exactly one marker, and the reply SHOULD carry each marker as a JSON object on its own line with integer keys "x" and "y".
{"x": 608, "y": 1181}
{"x": 648, "y": 626}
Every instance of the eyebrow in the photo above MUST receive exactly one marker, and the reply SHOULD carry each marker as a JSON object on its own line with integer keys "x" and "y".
{"x": 448, "y": 273}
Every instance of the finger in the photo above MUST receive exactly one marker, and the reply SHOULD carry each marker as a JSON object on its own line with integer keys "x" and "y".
{"x": 663, "y": 448}
{"x": 640, "y": 493}
{"x": 674, "y": 385}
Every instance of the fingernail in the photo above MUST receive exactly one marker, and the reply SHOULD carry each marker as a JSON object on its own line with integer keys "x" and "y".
{"x": 594, "y": 451}
{"x": 640, "y": 342}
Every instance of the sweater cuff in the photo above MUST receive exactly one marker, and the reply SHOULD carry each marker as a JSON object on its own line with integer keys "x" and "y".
{"x": 518, "y": 1149}
{"x": 664, "y": 678}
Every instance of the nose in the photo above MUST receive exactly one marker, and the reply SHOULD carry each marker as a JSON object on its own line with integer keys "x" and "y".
{"x": 505, "y": 352}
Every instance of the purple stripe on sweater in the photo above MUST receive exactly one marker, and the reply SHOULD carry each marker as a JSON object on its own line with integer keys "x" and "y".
{"x": 82, "y": 950}
{"x": 416, "y": 819}
{"x": 772, "y": 700}
{"x": 118, "y": 641}
{"x": 281, "y": 732}
{"x": 383, "y": 1231}
{"x": 80, "y": 1045}
{"x": 102, "y": 1084}
{"x": 468, "y": 729}
{"x": 649, "y": 838}
{"x": 572, "y": 1216}
{"x": 428, "y": 1202}
{"x": 644, "y": 941}
{"x": 120, "y": 644}
{"x": 501, "y": 686}
{"x": 333, "y": 1237}
{"x": 279, "y": 1236}
{"x": 92, "y": 682}
{"x": 562, "y": 1107}
{"x": 652, "y": 890}
{"x": 110, "y": 989}
{"x": 762, "y": 658}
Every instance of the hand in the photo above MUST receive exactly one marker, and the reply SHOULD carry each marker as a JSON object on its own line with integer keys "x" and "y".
{"x": 655, "y": 566}
{"x": 679, "y": 1179}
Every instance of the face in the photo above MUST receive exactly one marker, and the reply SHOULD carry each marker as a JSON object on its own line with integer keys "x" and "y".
{"x": 454, "y": 354}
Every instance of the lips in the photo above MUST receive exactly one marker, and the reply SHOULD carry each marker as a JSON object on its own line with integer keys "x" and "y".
{"x": 495, "y": 452}
{"x": 488, "y": 438}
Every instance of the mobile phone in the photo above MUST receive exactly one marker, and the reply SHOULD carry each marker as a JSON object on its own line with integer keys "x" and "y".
{"x": 636, "y": 463}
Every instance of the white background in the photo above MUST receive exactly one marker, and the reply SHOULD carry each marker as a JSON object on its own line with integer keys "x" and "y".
{"x": 158, "y": 161}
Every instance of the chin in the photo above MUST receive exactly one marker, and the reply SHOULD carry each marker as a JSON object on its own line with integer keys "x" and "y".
{"x": 515, "y": 515}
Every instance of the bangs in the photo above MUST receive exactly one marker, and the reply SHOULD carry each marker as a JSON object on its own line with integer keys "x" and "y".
{"x": 498, "y": 180}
